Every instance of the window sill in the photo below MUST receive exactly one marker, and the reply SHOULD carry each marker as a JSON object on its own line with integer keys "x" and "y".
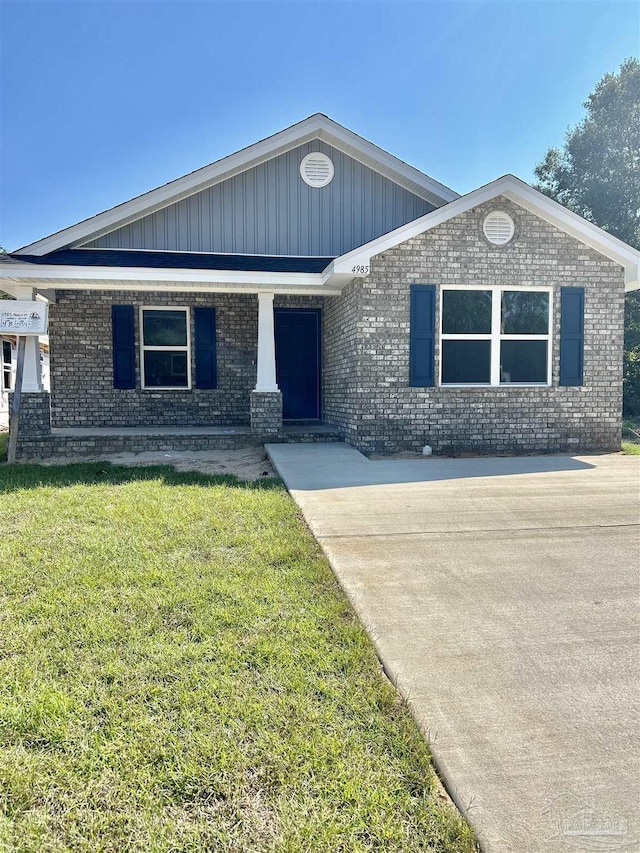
{"x": 165, "y": 388}
{"x": 483, "y": 386}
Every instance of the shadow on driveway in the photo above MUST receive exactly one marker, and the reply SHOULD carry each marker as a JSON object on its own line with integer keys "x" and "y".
{"x": 339, "y": 466}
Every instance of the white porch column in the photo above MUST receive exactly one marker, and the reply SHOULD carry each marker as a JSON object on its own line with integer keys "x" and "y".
{"x": 32, "y": 377}
{"x": 266, "y": 379}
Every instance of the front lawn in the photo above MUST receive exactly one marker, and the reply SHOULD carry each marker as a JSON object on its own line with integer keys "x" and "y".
{"x": 179, "y": 671}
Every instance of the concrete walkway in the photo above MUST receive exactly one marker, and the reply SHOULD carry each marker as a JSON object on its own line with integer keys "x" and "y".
{"x": 502, "y": 595}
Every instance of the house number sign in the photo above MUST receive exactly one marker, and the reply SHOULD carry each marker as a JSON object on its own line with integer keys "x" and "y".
{"x": 23, "y": 318}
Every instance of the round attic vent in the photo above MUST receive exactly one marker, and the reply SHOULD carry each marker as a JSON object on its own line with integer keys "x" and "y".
{"x": 316, "y": 169}
{"x": 498, "y": 228}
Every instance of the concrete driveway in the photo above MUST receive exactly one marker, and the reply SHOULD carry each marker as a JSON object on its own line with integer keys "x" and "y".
{"x": 502, "y": 595}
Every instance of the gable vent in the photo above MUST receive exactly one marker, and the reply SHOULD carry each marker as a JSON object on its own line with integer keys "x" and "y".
{"x": 316, "y": 169}
{"x": 498, "y": 228}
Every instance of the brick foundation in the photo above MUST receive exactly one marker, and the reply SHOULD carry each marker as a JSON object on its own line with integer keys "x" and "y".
{"x": 266, "y": 413}
{"x": 35, "y": 424}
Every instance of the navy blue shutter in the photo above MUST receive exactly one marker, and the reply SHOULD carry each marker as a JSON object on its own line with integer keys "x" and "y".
{"x": 422, "y": 335}
{"x": 124, "y": 346}
{"x": 205, "y": 340}
{"x": 571, "y": 335}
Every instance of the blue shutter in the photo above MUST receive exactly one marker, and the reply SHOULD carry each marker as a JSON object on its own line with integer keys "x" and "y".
{"x": 205, "y": 340}
{"x": 422, "y": 335}
{"x": 571, "y": 335}
{"x": 124, "y": 346}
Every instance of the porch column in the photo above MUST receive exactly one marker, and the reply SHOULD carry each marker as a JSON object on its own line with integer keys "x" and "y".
{"x": 266, "y": 379}
{"x": 266, "y": 400}
{"x": 35, "y": 410}
{"x": 32, "y": 377}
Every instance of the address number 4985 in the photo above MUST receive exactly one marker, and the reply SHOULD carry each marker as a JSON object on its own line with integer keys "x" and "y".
{"x": 360, "y": 269}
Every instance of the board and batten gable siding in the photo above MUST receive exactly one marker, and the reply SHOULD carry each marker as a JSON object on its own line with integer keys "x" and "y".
{"x": 270, "y": 210}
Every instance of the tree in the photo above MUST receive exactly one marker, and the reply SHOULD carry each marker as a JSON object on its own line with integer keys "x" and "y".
{"x": 631, "y": 380}
{"x": 597, "y": 174}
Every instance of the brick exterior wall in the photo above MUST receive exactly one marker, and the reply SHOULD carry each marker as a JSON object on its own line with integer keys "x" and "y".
{"x": 391, "y": 416}
{"x": 365, "y": 358}
{"x": 81, "y": 367}
{"x": 340, "y": 377}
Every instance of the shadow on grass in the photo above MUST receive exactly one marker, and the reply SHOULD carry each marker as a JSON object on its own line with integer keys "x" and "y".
{"x": 28, "y": 476}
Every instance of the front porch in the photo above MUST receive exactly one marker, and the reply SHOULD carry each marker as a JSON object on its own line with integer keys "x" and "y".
{"x": 255, "y": 371}
{"x": 101, "y": 441}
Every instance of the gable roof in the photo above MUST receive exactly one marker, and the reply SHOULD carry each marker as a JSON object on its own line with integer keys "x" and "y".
{"x": 522, "y": 194}
{"x": 319, "y": 276}
{"x": 317, "y": 126}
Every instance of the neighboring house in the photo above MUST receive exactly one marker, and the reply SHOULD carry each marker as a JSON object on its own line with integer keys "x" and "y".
{"x": 313, "y": 278}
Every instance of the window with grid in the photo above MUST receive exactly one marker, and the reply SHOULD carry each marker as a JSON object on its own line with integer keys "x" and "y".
{"x": 165, "y": 344}
{"x": 495, "y": 336}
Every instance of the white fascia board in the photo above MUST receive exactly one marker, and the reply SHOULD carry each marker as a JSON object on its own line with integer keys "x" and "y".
{"x": 142, "y": 278}
{"x": 521, "y": 194}
{"x": 315, "y": 127}
{"x": 574, "y": 225}
{"x": 385, "y": 163}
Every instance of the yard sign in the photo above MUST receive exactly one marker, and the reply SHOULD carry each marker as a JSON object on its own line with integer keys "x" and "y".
{"x": 23, "y": 318}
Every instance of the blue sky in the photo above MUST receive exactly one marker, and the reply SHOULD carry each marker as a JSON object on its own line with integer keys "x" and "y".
{"x": 101, "y": 101}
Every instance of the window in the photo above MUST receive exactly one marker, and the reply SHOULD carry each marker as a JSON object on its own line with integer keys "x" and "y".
{"x": 165, "y": 344}
{"x": 5, "y": 364}
{"x": 495, "y": 336}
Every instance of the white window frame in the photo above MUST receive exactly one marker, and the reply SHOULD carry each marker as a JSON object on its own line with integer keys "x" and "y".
{"x": 6, "y": 367}
{"x": 496, "y": 336}
{"x": 144, "y": 348}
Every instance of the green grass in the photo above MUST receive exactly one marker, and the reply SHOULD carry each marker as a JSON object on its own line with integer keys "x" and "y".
{"x": 630, "y": 448}
{"x": 4, "y": 440}
{"x": 179, "y": 671}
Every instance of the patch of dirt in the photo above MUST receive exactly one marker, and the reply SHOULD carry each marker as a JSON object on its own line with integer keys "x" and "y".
{"x": 246, "y": 463}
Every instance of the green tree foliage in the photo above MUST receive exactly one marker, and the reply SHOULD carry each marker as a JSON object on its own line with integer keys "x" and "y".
{"x": 631, "y": 382}
{"x": 597, "y": 174}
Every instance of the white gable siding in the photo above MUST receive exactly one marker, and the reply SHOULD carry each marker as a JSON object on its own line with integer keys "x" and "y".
{"x": 270, "y": 210}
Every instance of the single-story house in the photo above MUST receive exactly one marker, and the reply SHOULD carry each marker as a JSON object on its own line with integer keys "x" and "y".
{"x": 313, "y": 286}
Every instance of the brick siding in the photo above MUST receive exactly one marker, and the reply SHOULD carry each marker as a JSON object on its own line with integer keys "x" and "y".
{"x": 365, "y": 378}
{"x": 391, "y": 416}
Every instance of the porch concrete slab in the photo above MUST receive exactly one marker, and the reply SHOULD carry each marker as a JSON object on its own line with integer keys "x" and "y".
{"x": 502, "y": 595}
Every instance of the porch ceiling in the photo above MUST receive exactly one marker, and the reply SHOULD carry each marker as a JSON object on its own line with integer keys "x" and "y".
{"x": 161, "y": 260}
{"x": 43, "y": 276}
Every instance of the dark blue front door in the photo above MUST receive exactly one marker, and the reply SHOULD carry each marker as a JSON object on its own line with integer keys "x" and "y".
{"x": 298, "y": 362}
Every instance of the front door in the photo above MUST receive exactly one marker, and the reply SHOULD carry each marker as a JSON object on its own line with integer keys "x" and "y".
{"x": 297, "y": 332}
